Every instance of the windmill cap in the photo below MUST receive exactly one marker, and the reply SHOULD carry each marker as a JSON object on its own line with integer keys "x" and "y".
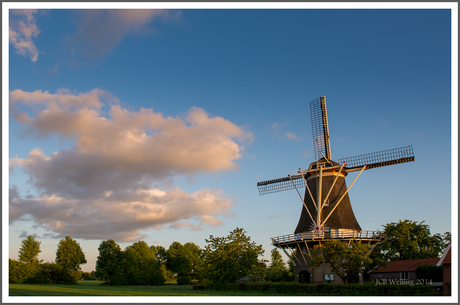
{"x": 323, "y": 160}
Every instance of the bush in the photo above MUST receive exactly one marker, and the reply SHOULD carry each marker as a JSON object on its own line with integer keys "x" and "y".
{"x": 46, "y": 273}
{"x": 183, "y": 280}
{"x": 20, "y": 272}
{"x": 77, "y": 275}
{"x": 55, "y": 274}
{"x": 433, "y": 273}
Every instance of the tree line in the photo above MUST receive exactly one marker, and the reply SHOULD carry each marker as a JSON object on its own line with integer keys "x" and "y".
{"x": 65, "y": 269}
{"x": 225, "y": 259}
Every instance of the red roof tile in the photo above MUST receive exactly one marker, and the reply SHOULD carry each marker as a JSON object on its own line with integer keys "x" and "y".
{"x": 405, "y": 265}
{"x": 447, "y": 258}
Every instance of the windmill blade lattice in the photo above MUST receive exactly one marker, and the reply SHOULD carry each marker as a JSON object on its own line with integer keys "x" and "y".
{"x": 320, "y": 128}
{"x": 280, "y": 184}
{"x": 380, "y": 158}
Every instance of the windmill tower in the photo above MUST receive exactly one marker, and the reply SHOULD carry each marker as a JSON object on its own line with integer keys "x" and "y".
{"x": 326, "y": 208}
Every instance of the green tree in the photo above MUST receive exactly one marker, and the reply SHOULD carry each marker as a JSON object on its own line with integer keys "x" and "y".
{"x": 230, "y": 258}
{"x": 160, "y": 256}
{"x": 276, "y": 271}
{"x": 195, "y": 255}
{"x": 410, "y": 240}
{"x": 69, "y": 254}
{"x": 291, "y": 267}
{"x": 18, "y": 272}
{"x": 54, "y": 273}
{"x": 429, "y": 273}
{"x": 89, "y": 275}
{"x": 185, "y": 261}
{"x": 447, "y": 239}
{"x": 108, "y": 263}
{"x": 141, "y": 266}
{"x": 160, "y": 253}
{"x": 345, "y": 260}
{"x": 30, "y": 248}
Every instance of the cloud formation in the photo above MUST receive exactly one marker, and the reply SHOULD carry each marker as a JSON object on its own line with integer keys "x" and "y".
{"x": 99, "y": 31}
{"x": 22, "y": 29}
{"x": 119, "y": 173}
{"x": 123, "y": 215}
{"x": 276, "y": 130}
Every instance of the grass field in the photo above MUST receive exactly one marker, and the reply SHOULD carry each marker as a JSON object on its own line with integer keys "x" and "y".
{"x": 93, "y": 288}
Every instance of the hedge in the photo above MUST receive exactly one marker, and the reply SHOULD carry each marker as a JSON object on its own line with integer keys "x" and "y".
{"x": 367, "y": 289}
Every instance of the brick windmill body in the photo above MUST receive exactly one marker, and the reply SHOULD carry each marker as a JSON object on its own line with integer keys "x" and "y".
{"x": 326, "y": 208}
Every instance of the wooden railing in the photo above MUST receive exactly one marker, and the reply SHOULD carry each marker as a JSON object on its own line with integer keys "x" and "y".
{"x": 333, "y": 234}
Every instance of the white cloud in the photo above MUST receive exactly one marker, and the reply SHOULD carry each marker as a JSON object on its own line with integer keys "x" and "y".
{"x": 122, "y": 217}
{"x": 22, "y": 29}
{"x": 276, "y": 130}
{"x": 291, "y": 136}
{"x": 113, "y": 174}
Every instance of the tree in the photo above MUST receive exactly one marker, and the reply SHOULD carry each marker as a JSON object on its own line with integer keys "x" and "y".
{"x": 178, "y": 262}
{"x": 108, "y": 263}
{"x": 160, "y": 253}
{"x": 345, "y": 260}
{"x": 276, "y": 271}
{"x": 446, "y": 239}
{"x": 160, "y": 256}
{"x": 429, "y": 273}
{"x": 195, "y": 256}
{"x": 230, "y": 258}
{"x": 69, "y": 254}
{"x": 410, "y": 240}
{"x": 291, "y": 266}
{"x": 141, "y": 266}
{"x": 30, "y": 248}
{"x": 18, "y": 272}
{"x": 89, "y": 275}
{"x": 54, "y": 273}
{"x": 185, "y": 261}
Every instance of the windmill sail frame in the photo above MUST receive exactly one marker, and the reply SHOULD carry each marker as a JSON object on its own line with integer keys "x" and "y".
{"x": 380, "y": 158}
{"x": 320, "y": 128}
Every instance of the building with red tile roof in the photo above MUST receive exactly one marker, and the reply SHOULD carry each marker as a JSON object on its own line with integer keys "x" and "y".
{"x": 445, "y": 262}
{"x": 400, "y": 271}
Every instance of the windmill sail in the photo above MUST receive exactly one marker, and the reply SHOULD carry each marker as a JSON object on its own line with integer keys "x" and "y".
{"x": 380, "y": 158}
{"x": 320, "y": 128}
{"x": 280, "y": 184}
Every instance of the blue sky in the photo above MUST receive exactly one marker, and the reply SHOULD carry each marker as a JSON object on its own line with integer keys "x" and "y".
{"x": 157, "y": 125}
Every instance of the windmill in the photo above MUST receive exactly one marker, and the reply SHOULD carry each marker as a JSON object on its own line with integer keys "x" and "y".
{"x": 326, "y": 208}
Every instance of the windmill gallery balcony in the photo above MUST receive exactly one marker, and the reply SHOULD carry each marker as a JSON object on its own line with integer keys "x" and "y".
{"x": 312, "y": 236}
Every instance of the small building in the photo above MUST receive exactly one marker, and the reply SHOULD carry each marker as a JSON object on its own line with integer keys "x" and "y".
{"x": 400, "y": 272}
{"x": 444, "y": 261}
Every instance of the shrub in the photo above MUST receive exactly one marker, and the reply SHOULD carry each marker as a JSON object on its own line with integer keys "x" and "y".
{"x": 19, "y": 272}
{"x": 433, "y": 273}
{"x": 77, "y": 275}
{"x": 55, "y": 274}
{"x": 183, "y": 279}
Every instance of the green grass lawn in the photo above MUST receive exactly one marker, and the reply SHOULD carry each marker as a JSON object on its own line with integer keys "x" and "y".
{"x": 93, "y": 288}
